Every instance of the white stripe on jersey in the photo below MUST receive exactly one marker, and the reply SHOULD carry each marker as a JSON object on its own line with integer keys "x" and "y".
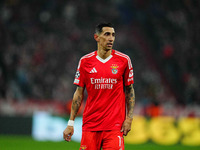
{"x": 125, "y": 56}
{"x": 95, "y": 70}
{"x": 86, "y": 56}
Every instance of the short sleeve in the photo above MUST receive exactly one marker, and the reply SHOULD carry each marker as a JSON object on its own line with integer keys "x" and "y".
{"x": 79, "y": 76}
{"x": 128, "y": 74}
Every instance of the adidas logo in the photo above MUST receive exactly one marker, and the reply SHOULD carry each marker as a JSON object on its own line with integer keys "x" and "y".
{"x": 93, "y": 70}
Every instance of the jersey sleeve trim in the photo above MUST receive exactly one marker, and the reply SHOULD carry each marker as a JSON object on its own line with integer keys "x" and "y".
{"x": 125, "y": 56}
{"x": 86, "y": 56}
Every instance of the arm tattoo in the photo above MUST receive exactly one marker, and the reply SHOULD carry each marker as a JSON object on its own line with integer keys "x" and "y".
{"x": 76, "y": 103}
{"x": 130, "y": 99}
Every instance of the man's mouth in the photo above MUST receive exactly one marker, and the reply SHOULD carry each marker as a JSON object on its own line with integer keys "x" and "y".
{"x": 110, "y": 44}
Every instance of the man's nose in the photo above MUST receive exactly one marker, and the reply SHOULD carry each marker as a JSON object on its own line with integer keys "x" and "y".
{"x": 111, "y": 38}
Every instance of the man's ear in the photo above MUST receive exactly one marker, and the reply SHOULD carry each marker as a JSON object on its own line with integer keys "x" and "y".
{"x": 96, "y": 37}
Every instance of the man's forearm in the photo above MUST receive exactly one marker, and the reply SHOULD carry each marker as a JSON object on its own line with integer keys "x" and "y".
{"x": 76, "y": 103}
{"x": 130, "y": 100}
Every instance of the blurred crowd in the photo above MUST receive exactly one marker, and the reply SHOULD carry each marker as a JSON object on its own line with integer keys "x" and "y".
{"x": 173, "y": 31}
{"x": 42, "y": 41}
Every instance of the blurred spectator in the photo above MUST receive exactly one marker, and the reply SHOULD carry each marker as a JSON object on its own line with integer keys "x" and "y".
{"x": 42, "y": 41}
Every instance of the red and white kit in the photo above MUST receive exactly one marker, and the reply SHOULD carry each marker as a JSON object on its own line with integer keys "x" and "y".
{"x": 104, "y": 80}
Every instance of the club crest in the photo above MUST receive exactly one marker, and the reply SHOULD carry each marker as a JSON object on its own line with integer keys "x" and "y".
{"x": 114, "y": 68}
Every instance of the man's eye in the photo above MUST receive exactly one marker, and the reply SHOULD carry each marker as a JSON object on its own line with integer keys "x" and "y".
{"x": 107, "y": 33}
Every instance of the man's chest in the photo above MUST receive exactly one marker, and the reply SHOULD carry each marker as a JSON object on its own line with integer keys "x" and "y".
{"x": 112, "y": 70}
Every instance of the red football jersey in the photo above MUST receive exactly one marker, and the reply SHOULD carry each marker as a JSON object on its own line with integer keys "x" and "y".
{"x": 104, "y": 80}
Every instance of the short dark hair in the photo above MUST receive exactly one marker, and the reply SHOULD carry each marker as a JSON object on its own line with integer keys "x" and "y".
{"x": 100, "y": 26}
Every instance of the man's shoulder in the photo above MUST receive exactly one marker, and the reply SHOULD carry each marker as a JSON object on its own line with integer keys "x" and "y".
{"x": 86, "y": 59}
{"x": 122, "y": 55}
{"x": 89, "y": 55}
{"x": 124, "y": 58}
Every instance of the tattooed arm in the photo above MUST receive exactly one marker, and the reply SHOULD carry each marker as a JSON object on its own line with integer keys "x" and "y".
{"x": 76, "y": 103}
{"x": 130, "y": 101}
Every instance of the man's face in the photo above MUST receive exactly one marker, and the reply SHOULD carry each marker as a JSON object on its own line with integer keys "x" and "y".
{"x": 106, "y": 38}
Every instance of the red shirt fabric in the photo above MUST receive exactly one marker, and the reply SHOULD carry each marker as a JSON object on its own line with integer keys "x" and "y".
{"x": 104, "y": 80}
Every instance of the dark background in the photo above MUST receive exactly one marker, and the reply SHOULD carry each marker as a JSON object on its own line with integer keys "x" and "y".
{"x": 42, "y": 41}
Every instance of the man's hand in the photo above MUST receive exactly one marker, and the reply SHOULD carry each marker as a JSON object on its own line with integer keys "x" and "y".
{"x": 126, "y": 127}
{"x": 67, "y": 133}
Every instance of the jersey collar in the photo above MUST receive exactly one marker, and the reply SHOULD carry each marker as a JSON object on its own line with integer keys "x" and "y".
{"x": 104, "y": 60}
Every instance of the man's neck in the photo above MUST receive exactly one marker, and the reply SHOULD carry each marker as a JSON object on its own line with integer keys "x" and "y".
{"x": 104, "y": 53}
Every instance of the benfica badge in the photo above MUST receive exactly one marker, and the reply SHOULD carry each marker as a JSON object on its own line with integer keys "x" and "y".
{"x": 114, "y": 68}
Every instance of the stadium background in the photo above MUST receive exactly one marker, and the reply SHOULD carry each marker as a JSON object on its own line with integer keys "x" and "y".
{"x": 42, "y": 41}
